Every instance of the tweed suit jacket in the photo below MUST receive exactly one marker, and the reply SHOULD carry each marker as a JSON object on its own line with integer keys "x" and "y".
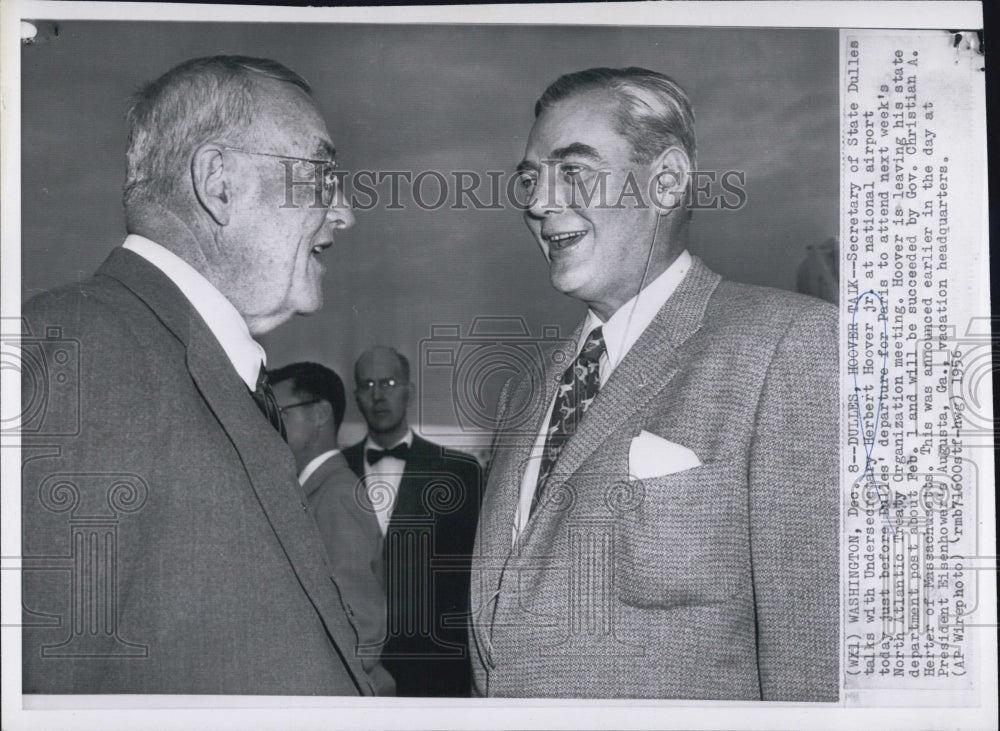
{"x": 168, "y": 545}
{"x": 353, "y": 540}
{"x": 715, "y": 582}
{"x": 427, "y": 647}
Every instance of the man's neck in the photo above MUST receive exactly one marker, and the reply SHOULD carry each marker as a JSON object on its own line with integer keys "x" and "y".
{"x": 321, "y": 447}
{"x": 658, "y": 265}
{"x": 171, "y": 231}
{"x": 387, "y": 439}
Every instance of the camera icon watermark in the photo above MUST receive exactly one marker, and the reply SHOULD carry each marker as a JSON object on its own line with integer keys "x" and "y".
{"x": 469, "y": 370}
{"x": 48, "y": 364}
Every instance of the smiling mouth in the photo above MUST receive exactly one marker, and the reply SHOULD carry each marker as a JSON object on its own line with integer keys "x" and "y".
{"x": 320, "y": 248}
{"x": 563, "y": 240}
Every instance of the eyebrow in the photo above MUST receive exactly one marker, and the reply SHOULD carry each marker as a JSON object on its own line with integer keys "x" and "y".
{"x": 575, "y": 148}
{"x": 578, "y": 149}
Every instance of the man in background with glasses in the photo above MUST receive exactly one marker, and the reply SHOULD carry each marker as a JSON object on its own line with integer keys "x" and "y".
{"x": 213, "y": 578}
{"x": 427, "y": 501}
{"x": 312, "y": 403}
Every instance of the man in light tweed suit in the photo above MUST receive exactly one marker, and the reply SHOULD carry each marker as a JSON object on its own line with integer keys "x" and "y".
{"x": 666, "y": 527}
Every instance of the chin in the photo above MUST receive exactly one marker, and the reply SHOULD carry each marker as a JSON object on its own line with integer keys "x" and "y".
{"x": 311, "y": 304}
{"x": 569, "y": 283}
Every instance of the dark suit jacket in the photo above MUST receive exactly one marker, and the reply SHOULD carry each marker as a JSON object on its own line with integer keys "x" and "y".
{"x": 353, "y": 540}
{"x": 427, "y": 555}
{"x": 719, "y": 581}
{"x": 168, "y": 545}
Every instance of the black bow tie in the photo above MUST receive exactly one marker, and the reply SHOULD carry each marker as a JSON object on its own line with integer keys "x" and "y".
{"x": 400, "y": 451}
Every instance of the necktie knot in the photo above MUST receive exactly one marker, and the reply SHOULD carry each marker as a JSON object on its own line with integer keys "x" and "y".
{"x": 267, "y": 403}
{"x": 400, "y": 451}
{"x": 594, "y": 348}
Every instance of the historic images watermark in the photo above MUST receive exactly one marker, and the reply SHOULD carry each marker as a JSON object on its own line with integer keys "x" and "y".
{"x": 314, "y": 185}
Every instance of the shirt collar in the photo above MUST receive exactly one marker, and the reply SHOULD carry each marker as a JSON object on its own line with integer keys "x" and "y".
{"x": 407, "y": 440}
{"x": 630, "y": 320}
{"x": 225, "y": 322}
{"x": 314, "y": 464}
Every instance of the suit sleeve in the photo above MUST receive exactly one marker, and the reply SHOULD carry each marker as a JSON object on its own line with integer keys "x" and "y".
{"x": 794, "y": 517}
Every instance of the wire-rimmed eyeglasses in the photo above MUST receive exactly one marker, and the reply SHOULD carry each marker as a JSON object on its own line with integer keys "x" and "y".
{"x": 330, "y": 180}
{"x": 283, "y": 409}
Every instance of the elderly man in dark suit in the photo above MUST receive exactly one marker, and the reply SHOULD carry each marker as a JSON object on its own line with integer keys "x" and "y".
{"x": 427, "y": 500}
{"x": 667, "y": 528}
{"x": 312, "y": 402}
{"x": 190, "y": 563}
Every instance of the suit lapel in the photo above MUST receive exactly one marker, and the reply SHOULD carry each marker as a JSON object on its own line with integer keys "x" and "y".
{"x": 355, "y": 456}
{"x": 644, "y": 371}
{"x": 267, "y": 459}
{"x": 409, "y": 499}
{"x": 513, "y": 451}
{"x": 319, "y": 475}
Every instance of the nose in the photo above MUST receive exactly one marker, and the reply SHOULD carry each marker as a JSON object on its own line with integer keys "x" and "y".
{"x": 340, "y": 214}
{"x": 547, "y": 197}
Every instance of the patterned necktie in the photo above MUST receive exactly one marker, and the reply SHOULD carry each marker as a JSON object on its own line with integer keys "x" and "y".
{"x": 400, "y": 451}
{"x": 580, "y": 384}
{"x": 268, "y": 405}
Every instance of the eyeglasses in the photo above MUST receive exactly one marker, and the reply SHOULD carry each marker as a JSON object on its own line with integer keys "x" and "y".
{"x": 383, "y": 383}
{"x": 283, "y": 409}
{"x": 331, "y": 177}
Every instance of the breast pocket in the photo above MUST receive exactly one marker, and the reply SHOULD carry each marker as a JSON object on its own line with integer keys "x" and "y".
{"x": 686, "y": 541}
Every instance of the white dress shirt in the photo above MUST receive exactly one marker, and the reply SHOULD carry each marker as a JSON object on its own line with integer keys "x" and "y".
{"x": 621, "y": 331}
{"x": 382, "y": 479}
{"x": 226, "y": 324}
{"x": 314, "y": 464}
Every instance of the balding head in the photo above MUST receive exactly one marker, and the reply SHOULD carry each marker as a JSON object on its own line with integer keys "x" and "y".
{"x": 386, "y": 357}
{"x": 382, "y": 391}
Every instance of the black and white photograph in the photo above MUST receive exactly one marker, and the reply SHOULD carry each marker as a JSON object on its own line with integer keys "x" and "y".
{"x": 379, "y": 370}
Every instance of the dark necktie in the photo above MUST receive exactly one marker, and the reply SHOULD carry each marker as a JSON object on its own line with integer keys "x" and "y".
{"x": 578, "y": 387}
{"x": 400, "y": 451}
{"x": 268, "y": 405}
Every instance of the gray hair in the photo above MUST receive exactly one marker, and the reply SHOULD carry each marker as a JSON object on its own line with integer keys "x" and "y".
{"x": 654, "y": 111}
{"x": 201, "y": 100}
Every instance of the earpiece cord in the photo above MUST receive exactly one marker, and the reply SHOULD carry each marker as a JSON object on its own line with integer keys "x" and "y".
{"x": 642, "y": 282}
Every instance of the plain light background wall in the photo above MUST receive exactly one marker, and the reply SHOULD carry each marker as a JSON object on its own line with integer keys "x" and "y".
{"x": 441, "y": 98}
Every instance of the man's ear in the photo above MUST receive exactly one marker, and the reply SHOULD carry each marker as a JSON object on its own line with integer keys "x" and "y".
{"x": 211, "y": 181}
{"x": 324, "y": 412}
{"x": 672, "y": 173}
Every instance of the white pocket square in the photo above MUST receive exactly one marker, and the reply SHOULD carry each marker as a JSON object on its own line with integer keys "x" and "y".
{"x": 653, "y": 456}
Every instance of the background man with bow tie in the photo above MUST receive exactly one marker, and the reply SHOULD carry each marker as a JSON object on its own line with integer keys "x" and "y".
{"x": 211, "y": 576}
{"x": 667, "y": 528}
{"x": 427, "y": 502}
